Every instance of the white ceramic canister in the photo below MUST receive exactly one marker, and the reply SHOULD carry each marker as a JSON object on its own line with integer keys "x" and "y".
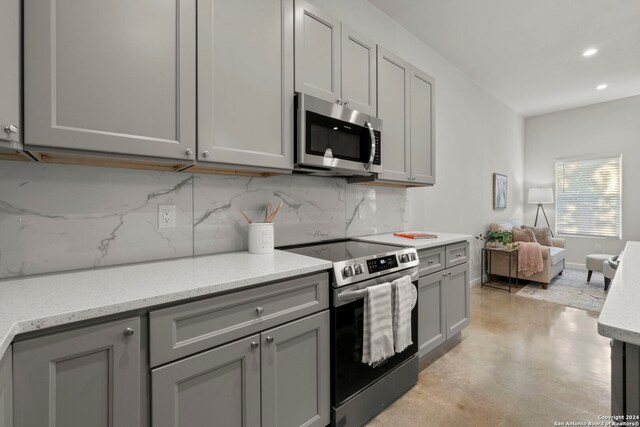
{"x": 261, "y": 237}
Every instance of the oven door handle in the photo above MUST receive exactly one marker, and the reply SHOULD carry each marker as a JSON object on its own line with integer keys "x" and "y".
{"x": 362, "y": 293}
{"x": 373, "y": 145}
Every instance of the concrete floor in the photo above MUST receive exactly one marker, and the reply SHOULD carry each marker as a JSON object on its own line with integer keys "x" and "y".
{"x": 520, "y": 362}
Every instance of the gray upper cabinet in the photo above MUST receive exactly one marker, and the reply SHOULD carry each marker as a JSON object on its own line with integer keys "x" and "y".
{"x": 394, "y": 79}
{"x": 111, "y": 76}
{"x": 458, "y": 303}
{"x": 10, "y": 74}
{"x": 358, "y": 71}
{"x": 295, "y": 373}
{"x": 423, "y": 160}
{"x": 245, "y": 82}
{"x": 317, "y": 52}
{"x": 217, "y": 387}
{"x": 85, "y": 377}
{"x": 6, "y": 390}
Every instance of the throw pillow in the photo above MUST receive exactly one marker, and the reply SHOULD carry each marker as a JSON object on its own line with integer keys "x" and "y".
{"x": 523, "y": 235}
{"x": 543, "y": 235}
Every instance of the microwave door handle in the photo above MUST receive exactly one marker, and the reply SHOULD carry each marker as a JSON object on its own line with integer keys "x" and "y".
{"x": 373, "y": 145}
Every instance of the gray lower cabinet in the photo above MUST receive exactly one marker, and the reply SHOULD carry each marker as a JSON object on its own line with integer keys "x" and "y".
{"x": 216, "y": 387}
{"x": 6, "y": 390}
{"x": 432, "y": 320}
{"x": 279, "y": 377}
{"x": 85, "y": 377}
{"x": 111, "y": 76}
{"x": 457, "y": 298}
{"x": 10, "y": 74}
{"x": 295, "y": 373}
{"x": 625, "y": 378}
{"x": 245, "y": 82}
{"x": 444, "y": 300}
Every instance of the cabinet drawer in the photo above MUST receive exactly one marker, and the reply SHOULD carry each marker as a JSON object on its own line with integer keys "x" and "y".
{"x": 431, "y": 260}
{"x": 188, "y": 328}
{"x": 457, "y": 254}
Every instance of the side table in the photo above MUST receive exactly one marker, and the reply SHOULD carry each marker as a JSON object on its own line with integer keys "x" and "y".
{"x": 486, "y": 256}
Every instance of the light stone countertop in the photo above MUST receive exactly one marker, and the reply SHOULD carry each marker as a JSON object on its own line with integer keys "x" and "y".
{"x": 620, "y": 316}
{"x": 38, "y": 302}
{"x": 390, "y": 239}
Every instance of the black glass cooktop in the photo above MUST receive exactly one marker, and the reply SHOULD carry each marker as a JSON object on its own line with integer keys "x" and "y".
{"x": 344, "y": 250}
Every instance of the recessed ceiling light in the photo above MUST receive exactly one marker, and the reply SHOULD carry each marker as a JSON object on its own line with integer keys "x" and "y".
{"x": 602, "y": 86}
{"x": 590, "y": 52}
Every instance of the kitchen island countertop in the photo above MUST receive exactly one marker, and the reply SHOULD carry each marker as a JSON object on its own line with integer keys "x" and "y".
{"x": 390, "y": 239}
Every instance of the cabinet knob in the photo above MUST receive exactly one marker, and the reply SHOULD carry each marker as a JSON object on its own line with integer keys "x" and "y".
{"x": 459, "y": 255}
{"x": 128, "y": 332}
{"x": 345, "y": 102}
{"x": 205, "y": 154}
{"x": 259, "y": 310}
{"x": 430, "y": 262}
{"x": 188, "y": 152}
{"x": 269, "y": 340}
{"x": 254, "y": 344}
{"x": 9, "y": 129}
{"x": 339, "y": 101}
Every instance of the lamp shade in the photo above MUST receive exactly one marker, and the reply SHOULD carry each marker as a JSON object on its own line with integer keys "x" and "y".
{"x": 540, "y": 195}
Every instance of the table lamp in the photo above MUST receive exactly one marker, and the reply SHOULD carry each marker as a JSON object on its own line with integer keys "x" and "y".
{"x": 541, "y": 196}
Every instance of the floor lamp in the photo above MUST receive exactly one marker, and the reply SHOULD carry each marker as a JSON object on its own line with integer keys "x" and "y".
{"x": 541, "y": 196}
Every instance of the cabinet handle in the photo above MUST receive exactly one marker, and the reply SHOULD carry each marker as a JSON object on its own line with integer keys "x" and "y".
{"x": 128, "y": 332}
{"x": 259, "y": 310}
{"x": 188, "y": 152}
{"x": 458, "y": 255}
{"x": 430, "y": 262}
{"x": 345, "y": 103}
{"x": 339, "y": 101}
{"x": 254, "y": 344}
{"x": 269, "y": 340}
{"x": 205, "y": 154}
{"x": 11, "y": 129}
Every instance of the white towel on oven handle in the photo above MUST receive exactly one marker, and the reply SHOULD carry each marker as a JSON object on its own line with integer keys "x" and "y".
{"x": 377, "y": 331}
{"x": 404, "y": 298}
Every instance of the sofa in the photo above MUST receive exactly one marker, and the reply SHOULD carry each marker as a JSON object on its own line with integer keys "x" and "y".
{"x": 552, "y": 257}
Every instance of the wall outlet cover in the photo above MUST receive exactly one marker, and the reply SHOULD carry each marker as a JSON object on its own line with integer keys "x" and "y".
{"x": 166, "y": 216}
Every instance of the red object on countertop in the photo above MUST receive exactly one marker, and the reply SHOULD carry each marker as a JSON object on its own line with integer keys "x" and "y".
{"x": 416, "y": 235}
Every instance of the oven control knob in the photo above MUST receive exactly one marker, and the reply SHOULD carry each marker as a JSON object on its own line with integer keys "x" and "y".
{"x": 358, "y": 269}
{"x": 347, "y": 271}
{"x": 412, "y": 256}
{"x": 404, "y": 258}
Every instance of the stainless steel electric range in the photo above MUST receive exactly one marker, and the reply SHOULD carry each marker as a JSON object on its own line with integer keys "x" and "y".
{"x": 359, "y": 391}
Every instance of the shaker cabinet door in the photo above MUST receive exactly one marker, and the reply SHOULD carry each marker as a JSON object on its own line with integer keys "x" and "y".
{"x": 84, "y": 377}
{"x": 358, "y": 72}
{"x": 10, "y": 74}
{"x": 219, "y": 387}
{"x": 113, "y": 76}
{"x": 432, "y": 327}
{"x": 317, "y": 52}
{"x": 245, "y": 82}
{"x": 295, "y": 373}
{"x": 457, "y": 298}
{"x": 393, "y": 108}
{"x": 422, "y": 128}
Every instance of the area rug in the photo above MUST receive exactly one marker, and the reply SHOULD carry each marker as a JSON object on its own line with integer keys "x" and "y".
{"x": 570, "y": 289}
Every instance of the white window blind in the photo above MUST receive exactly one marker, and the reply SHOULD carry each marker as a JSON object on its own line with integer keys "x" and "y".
{"x": 588, "y": 197}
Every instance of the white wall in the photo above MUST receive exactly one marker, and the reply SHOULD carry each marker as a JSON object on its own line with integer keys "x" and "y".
{"x": 609, "y": 127}
{"x": 476, "y": 134}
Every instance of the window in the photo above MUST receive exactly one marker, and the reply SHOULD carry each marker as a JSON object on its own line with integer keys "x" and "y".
{"x": 588, "y": 197}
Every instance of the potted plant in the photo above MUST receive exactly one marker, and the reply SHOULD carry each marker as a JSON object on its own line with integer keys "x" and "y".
{"x": 500, "y": 239}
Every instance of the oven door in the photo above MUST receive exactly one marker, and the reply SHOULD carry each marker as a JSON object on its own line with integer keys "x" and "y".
{"x": 334, "y": 138}
{"x": 349, "y": 374}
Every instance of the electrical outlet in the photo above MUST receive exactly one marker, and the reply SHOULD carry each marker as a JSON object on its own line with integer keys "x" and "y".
{"x": 166, "y": 216}
{"x": 598, "y": 248}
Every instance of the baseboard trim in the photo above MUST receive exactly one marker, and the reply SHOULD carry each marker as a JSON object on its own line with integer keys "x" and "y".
{"x": 474, "y": 282}
{"x": 575, "y": 266}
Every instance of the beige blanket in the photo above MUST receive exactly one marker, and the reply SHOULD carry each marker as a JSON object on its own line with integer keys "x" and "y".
{"x": 529, "y": 258}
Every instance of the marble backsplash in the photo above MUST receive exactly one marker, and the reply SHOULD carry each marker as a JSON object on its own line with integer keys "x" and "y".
{"x": 59, "y": 217}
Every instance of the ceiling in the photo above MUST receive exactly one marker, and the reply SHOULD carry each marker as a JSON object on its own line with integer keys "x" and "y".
{"x": 528, "y": 53}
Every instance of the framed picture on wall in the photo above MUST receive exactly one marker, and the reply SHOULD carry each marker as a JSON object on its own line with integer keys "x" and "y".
{"x": 499, "y": 191}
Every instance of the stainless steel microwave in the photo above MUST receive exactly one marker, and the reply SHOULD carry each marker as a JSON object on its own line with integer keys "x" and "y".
{"x": 335, "y": 140}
